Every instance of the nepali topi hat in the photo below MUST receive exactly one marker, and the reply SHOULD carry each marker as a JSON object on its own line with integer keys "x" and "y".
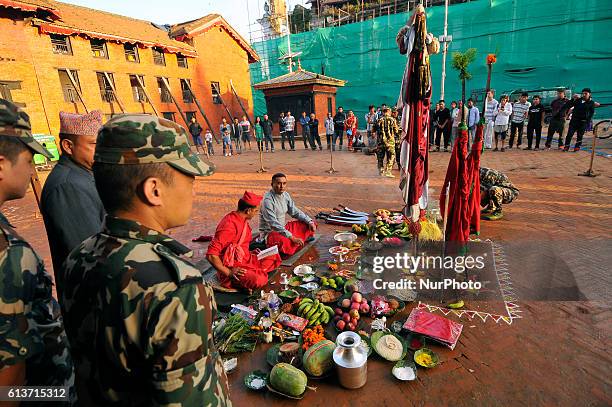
{"x": 81, "y": 124}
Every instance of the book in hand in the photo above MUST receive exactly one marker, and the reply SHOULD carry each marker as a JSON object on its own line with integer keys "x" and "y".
{"x": 270, "y": 251}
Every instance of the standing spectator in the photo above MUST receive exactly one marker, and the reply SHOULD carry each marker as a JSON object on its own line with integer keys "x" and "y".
{"x": 520, "y": 111}
{"x": 380, "y": 113}
{"x": 196, "y": 133}
{"x": 267, "y": 125}
{"x": 245, "y": 124}
{"x": 226, "y": 135}
{"x": 209, "y": 142}
{"x": 258, "y": 133}
{"x": 454, "y": 111}
{"x": 433, "y": 125}
{"x": 398, "y": 136}
{"x": 444, "y": 126}
{"x": 351, "y": 129}
{"x": 460, "y": 115}
{"x": 314, "y": 132}
{"x": 329, "y": 130}
{"x": 490, "y": 111}
{"x": 304, "y": 121}
{"x": 236, "y": 134}
{"x": 502, "y": 117}
{"x": 339, "y": 120}
{"x": 535, "y": 122}
{"x": 557, "y": 120}
{"x": 582, "y": 113}
{"x": 290, "y": 130}
{"x": 473, "y": 119}
{"x": 282, "y": 123}
{"x": 370, "y": 119}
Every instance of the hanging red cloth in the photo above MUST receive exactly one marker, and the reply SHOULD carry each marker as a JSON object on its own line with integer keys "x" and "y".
{"x": 458, "y": 221}
{"x": 474, "y": 174}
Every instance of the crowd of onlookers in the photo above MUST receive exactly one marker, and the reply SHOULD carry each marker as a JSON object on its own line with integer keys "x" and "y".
{"x": 505, "y": 124}
{"x": 506, "y": 120}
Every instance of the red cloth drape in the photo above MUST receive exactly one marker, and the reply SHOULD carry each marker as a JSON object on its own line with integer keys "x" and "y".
{"x": 474, "y": 174}
{"x": 458, "y": 223}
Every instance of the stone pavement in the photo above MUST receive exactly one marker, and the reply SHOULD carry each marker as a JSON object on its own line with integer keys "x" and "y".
{"x": 557, "y": 241}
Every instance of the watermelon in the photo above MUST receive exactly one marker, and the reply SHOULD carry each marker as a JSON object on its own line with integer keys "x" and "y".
{"x": 318, "y": 359}
{"x": 288, "y": 379}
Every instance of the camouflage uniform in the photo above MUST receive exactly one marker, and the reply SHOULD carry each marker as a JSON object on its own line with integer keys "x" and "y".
{"x": 499, "y": 190}
{"x": 31, "y": 325}
{"x": 138, "y": 313}
{"x": 387, "y": 131}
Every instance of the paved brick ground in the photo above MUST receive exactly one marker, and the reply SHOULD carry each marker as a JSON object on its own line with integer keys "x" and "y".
{"x": 557, "y": 241}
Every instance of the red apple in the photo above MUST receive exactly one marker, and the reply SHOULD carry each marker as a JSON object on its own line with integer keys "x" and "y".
{"x": 346, "y": 303}
{"x": 346, "y": 317}
{"x": 340, "y": 325}
{"x": 355, "y": 305}
{"x": 364, "y": 301}
{"x": 364, "y": 308}
{"x": 351, "y": 327}
{"x": 357, "y": 297}
{"x": 354, "y": 321}
{"x": 337, "y": 318}
{"x": 338, "y": 311}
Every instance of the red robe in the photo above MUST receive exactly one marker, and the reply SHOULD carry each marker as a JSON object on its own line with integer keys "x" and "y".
{"x": 458, "y": 223}
{"x": 298, "y": 229}
{"x": 229, "y": 231}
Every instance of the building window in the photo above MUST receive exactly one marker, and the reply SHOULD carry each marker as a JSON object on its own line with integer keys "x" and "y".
{"x": 163, "y": 90}
{"x": 106, "y": 83}
{"x": 168, "y": 115}
{"x": 131, "y": 53}
{"x": 214, "y": 88}
{"x": 329, "y": 106}
{"x": 181, "y": 60}
{"x": 158, "y": 56}
{"x": 137, "y": 90}
{"x": 187, "y": 96}
{"x": 68, "y": 88}
{"x": 98, "y": 48}
{"x": 189, "y": 116}
{"x": 60, "y": 44}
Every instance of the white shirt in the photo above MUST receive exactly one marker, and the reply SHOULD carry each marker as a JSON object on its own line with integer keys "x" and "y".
{"x": 503, "y": 114}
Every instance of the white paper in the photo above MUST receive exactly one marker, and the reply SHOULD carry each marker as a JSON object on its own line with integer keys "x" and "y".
{"x": 270, "y": 251}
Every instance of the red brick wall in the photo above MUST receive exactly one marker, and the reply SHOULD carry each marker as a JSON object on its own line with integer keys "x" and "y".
{"x": 26, "y": 55}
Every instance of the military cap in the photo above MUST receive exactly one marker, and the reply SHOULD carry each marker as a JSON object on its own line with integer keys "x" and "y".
{"x": 16, "y": 123}
{"x": 146, "y": 139}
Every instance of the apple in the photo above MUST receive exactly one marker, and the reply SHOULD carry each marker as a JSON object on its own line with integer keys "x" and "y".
{"x": 364, "y": 301}
{"x": 356, "y": 297}
{"x": 355, "y": 305}
{"x": 354, "y": 313}
{"x": 354, "y": 321}
{"x": 351, "y": 327}
{"x": 364, "y": 308}
{"x": 337, "y": 318}
{"x": 338, "y": 311}
{"x": 346, "y": 303}
{"x": 340, "y": 325}
{"x": 346, "y": 318}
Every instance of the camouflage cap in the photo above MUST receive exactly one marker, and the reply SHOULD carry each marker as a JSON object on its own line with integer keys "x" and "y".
{"x": 143, "y": 139}
{"x": 15, "y": 122}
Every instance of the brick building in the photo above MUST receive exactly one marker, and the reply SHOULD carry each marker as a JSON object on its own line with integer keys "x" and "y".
{"x": 60, "y": 57}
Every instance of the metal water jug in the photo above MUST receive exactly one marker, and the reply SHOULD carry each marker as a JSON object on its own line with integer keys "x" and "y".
{"x": 351, "y": 360}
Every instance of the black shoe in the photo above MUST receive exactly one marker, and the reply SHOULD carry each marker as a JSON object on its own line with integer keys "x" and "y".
{"x": 527, "y": 148}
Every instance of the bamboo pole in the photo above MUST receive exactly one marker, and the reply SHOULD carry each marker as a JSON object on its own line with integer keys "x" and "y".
{"x": 76, "y": 89}
{"x": 149, "y": 100}
{"x": 201, "y": 111}
{"x": 165, "y": 82}
{"x": 112, "y": 85}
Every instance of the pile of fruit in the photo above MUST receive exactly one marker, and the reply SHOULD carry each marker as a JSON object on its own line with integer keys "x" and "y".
{"x": 337, "y": 283}
{"x": 348, "y": 320}
{"x": 315, "y": 312}
{"x": 312, "y": 336}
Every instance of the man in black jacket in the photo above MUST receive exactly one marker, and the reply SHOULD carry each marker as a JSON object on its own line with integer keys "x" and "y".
{"x": 582, "y": 113}
{"x": 266, "y": 125}
{"x": 236, "y": 134}
{"x": 314, "y": 132}
{"x": 339, "y": 120}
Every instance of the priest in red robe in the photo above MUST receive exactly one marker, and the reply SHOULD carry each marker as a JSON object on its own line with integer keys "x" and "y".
{"x": 229, "y": 254}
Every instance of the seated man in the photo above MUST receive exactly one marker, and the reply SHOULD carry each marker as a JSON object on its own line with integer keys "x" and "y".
{"x": 229, "y": 253}
{"x": 495, "y": 190}
{"x": 276, "y": 204}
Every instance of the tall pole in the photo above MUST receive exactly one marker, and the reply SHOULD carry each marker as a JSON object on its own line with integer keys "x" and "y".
{"x": 288, "y": 37}
{"x": 445, "y": 49}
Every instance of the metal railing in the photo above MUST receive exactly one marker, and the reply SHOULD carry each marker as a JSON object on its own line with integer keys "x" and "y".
{"x": 139, "y": 95}
{"x": 182, "y": 62}
{"x": 165, "y": 96}
{"x": 70, "y": 95}
{"x": 107, "y": 95}
{"x": 158, "y": 59}
{"x": 59, "y": 48}
{"x": 187, "y": 96}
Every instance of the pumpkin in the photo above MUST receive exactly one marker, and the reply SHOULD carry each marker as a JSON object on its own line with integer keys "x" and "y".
{"x": 318, "y": 359}
{"x": 288, "y": 379}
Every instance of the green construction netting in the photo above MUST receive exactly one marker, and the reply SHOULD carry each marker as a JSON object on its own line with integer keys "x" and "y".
{"x": 540, "y": 44}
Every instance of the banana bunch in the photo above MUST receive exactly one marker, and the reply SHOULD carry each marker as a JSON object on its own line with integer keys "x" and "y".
{"x": 360, "y": 229}
{"x": 315, "y": 312}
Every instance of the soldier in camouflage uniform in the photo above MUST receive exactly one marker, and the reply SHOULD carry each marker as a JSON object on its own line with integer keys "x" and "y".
{"x": 386, "y": 133}
{"x": 495, "y": 190}
{"x": 398, "y": 136}
{"x": 34, "y": 348}
{"x": 138, "y": 313}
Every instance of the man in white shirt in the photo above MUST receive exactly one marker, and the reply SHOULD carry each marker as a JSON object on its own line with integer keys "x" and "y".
{"x": 519, "y": 114}
{"x": 504, "y": 111}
